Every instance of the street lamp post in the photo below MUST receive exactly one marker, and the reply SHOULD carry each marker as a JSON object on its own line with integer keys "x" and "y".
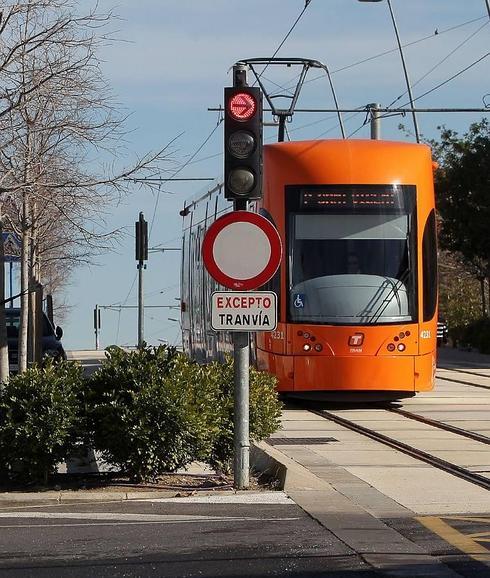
{"x": 405, "y": 71}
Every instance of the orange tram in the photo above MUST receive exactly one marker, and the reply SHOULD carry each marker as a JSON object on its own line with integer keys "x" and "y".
{"x": 357, "y": 286}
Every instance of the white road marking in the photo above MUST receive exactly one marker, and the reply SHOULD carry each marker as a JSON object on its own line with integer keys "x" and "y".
{"x": 109, "y": 518}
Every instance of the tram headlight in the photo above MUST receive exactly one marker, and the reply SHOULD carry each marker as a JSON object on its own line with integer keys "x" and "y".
{"x": 401, "y": 347}
{"x": 318, "y": 347}
{"x": 390, "y": 347}
{"x": 306, "y": 347}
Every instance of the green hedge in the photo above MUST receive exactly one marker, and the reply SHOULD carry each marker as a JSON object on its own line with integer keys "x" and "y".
{"x": 148, "y": 412}
{"x": 143, "y": 414}
{"x": 154, "y": 411}
{"x": 39, "y": 420}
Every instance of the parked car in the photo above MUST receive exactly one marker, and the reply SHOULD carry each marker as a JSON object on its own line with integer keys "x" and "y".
{"x": 51, "y": 338}
{"x": 442, "y": 332}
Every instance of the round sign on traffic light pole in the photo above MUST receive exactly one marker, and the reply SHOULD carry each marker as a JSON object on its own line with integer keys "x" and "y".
{"x": 242, "y": 250}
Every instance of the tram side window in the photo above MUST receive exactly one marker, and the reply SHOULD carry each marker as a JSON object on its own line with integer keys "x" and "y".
{"x": 429, "y": 266}
{"x": 273, "y": 284}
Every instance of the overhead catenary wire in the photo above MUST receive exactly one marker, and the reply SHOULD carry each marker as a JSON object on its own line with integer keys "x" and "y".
{"x": 434, "y": 88}
{"x": 281, "y": 44}
{"x": 462, "y": 71}
{"x": 458, "y": 47}
{"x": 182, "y": 167}
{"x": 391, "y": 50}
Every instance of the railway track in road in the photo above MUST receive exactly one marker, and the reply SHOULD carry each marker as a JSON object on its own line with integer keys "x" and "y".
{"x": 466, "y": 378}
{"x": 452, "y": 468}
{"x": 441, "y": 425}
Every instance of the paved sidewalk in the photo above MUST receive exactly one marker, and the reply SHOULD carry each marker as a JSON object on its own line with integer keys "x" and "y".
{"x": 304, "y": 478}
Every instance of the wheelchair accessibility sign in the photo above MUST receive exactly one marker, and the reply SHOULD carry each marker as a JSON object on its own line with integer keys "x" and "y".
{"x": 299, "y": 300}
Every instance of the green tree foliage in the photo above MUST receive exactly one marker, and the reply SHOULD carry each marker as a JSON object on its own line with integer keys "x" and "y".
{"x": 463, "y": 194}
{"x": 459, "y": 295}
{"x": 39, "y": 420}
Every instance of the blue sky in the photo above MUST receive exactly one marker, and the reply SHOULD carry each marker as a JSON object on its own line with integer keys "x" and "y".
{"x": 172, "y": 63}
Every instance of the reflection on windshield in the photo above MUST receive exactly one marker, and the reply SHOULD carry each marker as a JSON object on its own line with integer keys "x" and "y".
{"x": 351, "y": 268}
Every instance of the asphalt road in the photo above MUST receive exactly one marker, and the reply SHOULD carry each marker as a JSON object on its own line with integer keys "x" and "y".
{"x": 171, "y": 539}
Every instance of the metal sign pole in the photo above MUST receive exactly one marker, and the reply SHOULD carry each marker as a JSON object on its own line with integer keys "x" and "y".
{"x": 97, "y": 327}
{"x": 241, "y": 413}
{"x": 141, "y": 237}
{"x": 241, "y": 363}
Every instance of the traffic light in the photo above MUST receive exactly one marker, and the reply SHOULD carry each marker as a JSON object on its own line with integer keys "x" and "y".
{"x": 243, "y": 143}
{"x": 141, "y": 234}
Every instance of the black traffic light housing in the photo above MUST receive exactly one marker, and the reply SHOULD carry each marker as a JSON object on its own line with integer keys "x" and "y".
{"x": 141, "y": 234}
{"x": 243, "y": 143}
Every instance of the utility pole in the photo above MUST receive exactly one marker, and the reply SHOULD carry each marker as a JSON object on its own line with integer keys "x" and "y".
{"x": 375, "y": 120}
{"x": 141, "y": 229}
{"x": 97, "y": 327}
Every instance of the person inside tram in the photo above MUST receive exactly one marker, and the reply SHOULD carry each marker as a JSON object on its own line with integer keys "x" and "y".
{"x": 353, "y": 266}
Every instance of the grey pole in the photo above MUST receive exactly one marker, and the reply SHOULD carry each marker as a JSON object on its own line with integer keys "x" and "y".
{"x": 488, "y": 7}
{"x": 97, "y": 327}
{"x": 375, "y": 120}
{"x": 241, "y": 413}
{"x": 405, "y": 72}
{"x": 11, "y": 283}
{"x": 141, "y": 307}
{"x": 141, "y": 238}
{"x": 241, "y": 362}
{"x": 38, "y": 321}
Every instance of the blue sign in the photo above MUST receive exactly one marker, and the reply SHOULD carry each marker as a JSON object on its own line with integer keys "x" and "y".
{"x": 12, "y": 245}
{"x": 299, "y": 300}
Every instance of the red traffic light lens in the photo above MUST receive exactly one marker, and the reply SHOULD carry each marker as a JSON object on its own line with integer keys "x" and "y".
{"x": 242, "y": 106}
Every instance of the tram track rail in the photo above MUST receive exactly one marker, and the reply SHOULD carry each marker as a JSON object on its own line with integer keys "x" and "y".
{"x": 470, "y": 383}
{"x": 466, "y": 375}
{"x": 441, "y": 425}
{"x": 460, "y": 370}
{"x": 434, "y": 461}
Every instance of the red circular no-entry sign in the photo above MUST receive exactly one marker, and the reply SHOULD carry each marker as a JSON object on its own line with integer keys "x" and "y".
{"x": 242, "y": 250}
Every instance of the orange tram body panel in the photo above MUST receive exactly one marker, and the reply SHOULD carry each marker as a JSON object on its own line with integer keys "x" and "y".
{"x": 357, "y": 286}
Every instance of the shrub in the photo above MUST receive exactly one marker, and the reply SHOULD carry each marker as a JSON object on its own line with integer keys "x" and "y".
{"x": 39, "y": 420}
{"x": 154, "y": 411}
{"x": 144, "y": 413}
{"x": 265, "y": 410}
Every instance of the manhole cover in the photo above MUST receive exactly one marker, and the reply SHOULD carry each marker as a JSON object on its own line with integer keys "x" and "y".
{"x": 299, "y": 441}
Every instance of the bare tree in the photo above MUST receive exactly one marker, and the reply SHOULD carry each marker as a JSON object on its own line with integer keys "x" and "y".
{"x": 56, "y": 114}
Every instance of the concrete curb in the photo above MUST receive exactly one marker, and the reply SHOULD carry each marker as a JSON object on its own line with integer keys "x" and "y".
{"x": 379, "y": 545}
{"x": 85, "y": 495}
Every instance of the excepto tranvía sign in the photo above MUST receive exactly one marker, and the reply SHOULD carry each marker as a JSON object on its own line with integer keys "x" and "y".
{"x": 243, "y": 311}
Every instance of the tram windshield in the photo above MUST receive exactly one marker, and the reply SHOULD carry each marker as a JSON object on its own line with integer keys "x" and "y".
{"x": 352, "y": 255}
